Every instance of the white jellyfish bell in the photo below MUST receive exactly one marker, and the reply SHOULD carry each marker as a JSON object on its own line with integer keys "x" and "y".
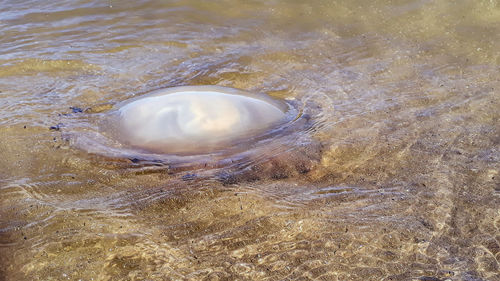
{"x": 195, "y": 119}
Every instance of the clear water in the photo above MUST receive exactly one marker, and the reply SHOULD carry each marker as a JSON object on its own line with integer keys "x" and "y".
{"x": 392, "y": 174}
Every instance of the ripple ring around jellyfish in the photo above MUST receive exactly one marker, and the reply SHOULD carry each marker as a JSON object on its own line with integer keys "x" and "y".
{"x": 207, "y": 129}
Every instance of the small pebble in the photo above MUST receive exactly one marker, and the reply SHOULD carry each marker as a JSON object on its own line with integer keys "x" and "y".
{"x": 56, "y": 127}
{"x": 188, "y": 177}
{"x": 76, "y": 109}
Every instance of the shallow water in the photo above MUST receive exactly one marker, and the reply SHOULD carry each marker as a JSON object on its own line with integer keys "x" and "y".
{"x": 391, "y": 174}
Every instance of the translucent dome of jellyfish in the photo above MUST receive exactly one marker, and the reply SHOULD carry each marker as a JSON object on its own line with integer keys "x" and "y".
{"x": 207, "y": 129}
{"x": 195, "y": 119}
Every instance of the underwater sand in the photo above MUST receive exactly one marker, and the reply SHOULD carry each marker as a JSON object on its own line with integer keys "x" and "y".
{"x": 392, "y": 174}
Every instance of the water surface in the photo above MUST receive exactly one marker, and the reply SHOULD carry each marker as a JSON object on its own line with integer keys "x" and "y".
{"x": 392, "y": 173}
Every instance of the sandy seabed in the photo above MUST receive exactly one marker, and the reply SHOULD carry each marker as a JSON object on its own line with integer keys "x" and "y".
{"x": 391, "y": 174}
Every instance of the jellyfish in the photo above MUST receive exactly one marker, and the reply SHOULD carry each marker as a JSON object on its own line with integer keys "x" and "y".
{"x": 188, "y": 120}
{"x": 220, "y": 132}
